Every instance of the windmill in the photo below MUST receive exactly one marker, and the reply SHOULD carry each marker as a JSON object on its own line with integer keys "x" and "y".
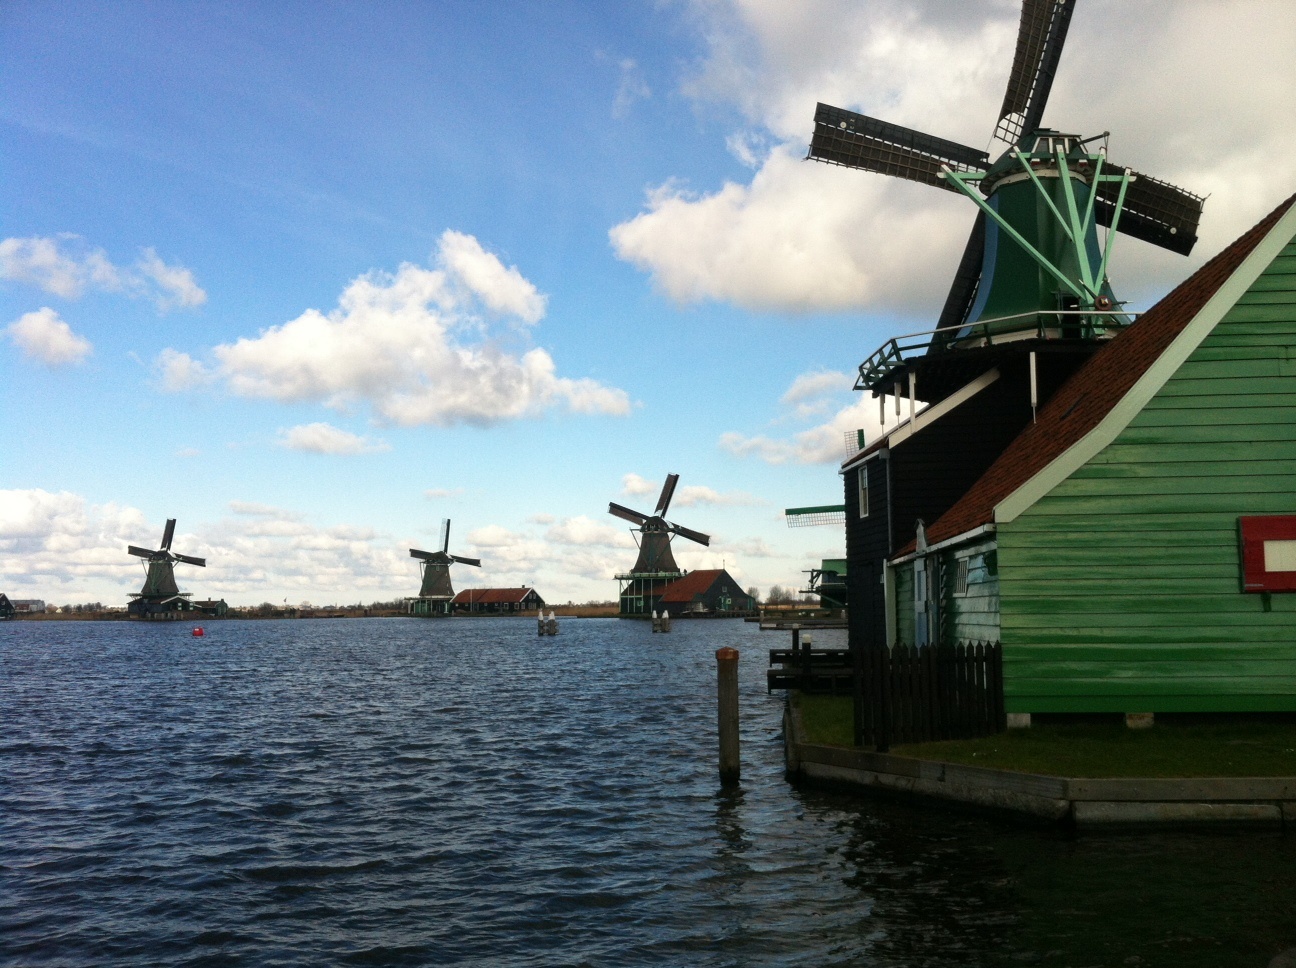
{"x": 160, "y": 597}
{"x": 1033, "y": 268}
{"x": 655, "y": 567}
{"x": 436, "y": 592}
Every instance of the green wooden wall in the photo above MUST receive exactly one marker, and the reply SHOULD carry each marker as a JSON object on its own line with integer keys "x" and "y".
{"x": 1120, "y": 588}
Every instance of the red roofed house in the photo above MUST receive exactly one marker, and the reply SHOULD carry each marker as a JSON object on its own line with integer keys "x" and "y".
{"x": 706, "y": 591}
{"x": 1131, "y": 546}
{"x": 497, "y": 600}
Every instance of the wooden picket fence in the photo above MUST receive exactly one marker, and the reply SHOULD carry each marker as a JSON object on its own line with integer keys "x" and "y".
{"x": 913, "y": 695}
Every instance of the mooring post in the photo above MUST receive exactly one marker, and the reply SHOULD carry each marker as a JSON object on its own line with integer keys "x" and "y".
{"x": 727, "y": 701}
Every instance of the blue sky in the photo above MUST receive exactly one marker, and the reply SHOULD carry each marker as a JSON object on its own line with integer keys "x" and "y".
{"x": 310, "y": 277}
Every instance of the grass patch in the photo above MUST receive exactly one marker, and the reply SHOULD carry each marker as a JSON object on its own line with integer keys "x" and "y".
{"x": 1089, "y": 750}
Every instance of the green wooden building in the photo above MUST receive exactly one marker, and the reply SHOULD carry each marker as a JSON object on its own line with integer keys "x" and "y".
{"x": 1135, "y": 546}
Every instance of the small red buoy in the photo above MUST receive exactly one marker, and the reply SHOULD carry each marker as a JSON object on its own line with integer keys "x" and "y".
{"x": 198, "y": 632}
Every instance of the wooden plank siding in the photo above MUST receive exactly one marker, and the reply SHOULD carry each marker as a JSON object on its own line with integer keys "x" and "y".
{"x": 973, "y": 616}
{"x": 1120, "y": 588}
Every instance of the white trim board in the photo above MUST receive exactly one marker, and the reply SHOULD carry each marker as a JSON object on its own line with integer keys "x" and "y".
{"x": 1156, "y": 376}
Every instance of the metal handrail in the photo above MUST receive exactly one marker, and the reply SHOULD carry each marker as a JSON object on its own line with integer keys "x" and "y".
{"x": 892, "y": 354}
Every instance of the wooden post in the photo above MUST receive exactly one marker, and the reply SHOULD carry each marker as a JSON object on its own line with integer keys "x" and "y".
{"x": 727, "y": 701}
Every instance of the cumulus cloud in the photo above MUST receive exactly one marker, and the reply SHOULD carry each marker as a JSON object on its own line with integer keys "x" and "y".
{"x": 323, "y": 438}
{"x": 63, "y": 548}
{"x": 812, "y": 393}
{"x": 585, "y": 531}
{"x": 43, "y": 336}
{"x": 178, "y": 371}
{"x": 412, "y": 346}
{"x": 1185, "y": 102}
{"x": 832, "y": 440}
{"x": 503, "y": 290}
{"x": 632, "y": 484}
{"x": 65, "y": 266}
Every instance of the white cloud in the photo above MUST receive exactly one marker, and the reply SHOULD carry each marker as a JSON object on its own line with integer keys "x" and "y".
{"x": 176, "y": 284}
{"x": 66, "y": 267}
{"x": 43, "y": 336}
{"x": 62, "y": 548}
{"x": 404, "y": 343}
{"x": 585, "y": 531}
{"x": 323, "y": 438}
{"x": 693, "y": 495}
{"x": 634, "y": 484}
{"x": 441, "y": 493}
{"x": 1199, "y": 95}
{"x": 812, "y": 393}
{"x": 179, "y": 371}
{"x": 503, "y": 290}
{"x": 632, "y": 88}
{"x": 828, "y": 443}
{"x": 801, "y": 237}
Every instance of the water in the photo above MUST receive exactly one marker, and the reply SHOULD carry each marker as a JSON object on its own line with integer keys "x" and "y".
{"x": 404, "y": 792}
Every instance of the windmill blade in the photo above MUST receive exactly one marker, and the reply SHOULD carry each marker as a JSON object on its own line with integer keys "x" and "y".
{"x": 168, "y": 534}
{"x": 475, "y": 562}
{"x": 1040, "y": 38}
{"x": 967, "y": 279}
{"x": 668, "y": 491}
{"x": 1155, "y": 211}
{"x": 139, "y": 552}
{"x": 683, "y": 532}
{"x": 445, "y": 534}
{"x": 634, "y": 517}
{"x": 858, "y": 141}
{"x": 422, "y": 555}
{"x": 200, "y": 562}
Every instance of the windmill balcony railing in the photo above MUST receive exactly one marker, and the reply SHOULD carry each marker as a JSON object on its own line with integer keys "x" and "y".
{"x": 896, "y": 354}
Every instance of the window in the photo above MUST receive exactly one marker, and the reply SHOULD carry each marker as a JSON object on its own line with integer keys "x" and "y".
{"x": 862, "y": 476}
{"x": 961, "y": 577}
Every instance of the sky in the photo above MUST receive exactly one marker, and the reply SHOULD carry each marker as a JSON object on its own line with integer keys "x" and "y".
{"x": 310, "y": 277}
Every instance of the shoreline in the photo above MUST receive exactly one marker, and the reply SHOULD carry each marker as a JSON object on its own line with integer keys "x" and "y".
{"x": 1267, "y": 803}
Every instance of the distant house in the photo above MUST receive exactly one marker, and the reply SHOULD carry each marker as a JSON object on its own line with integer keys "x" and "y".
{"x": 704, "y": 592}
{"x": 216, "y": 609}
{"x": 6, "y": 607}
{"x": 496, "y": 600}
{"x": 1133, "y": 548}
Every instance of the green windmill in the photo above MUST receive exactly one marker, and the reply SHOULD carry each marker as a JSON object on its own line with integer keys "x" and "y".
{"x": 1034, "y": 268}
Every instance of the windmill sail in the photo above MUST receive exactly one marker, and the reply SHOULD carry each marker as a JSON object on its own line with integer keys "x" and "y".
{"x": 1040, "y": 37}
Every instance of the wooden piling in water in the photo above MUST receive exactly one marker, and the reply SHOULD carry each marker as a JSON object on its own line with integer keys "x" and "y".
{"x": 727, "y": 703}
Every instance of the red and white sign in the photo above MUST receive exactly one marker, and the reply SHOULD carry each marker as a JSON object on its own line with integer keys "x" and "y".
{"x": 1268, "y": 552}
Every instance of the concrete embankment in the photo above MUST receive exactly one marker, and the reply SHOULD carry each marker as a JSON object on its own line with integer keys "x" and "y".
{"x": 1268, "y": 802}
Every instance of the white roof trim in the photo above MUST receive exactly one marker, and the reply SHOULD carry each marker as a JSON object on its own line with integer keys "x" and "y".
{"x": 927, "y": 415}
{"x": 977, "y": 532}
{"x": 1148, "y": 385}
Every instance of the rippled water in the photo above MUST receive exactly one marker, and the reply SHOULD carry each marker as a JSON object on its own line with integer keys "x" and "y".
{"x": 404, "y": 792}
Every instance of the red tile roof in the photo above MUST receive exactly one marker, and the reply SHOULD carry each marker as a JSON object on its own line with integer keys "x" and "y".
{"x": 491, "y": 596}
{"x": 1093, "y": 390}
{"x": 691, "y": 585}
